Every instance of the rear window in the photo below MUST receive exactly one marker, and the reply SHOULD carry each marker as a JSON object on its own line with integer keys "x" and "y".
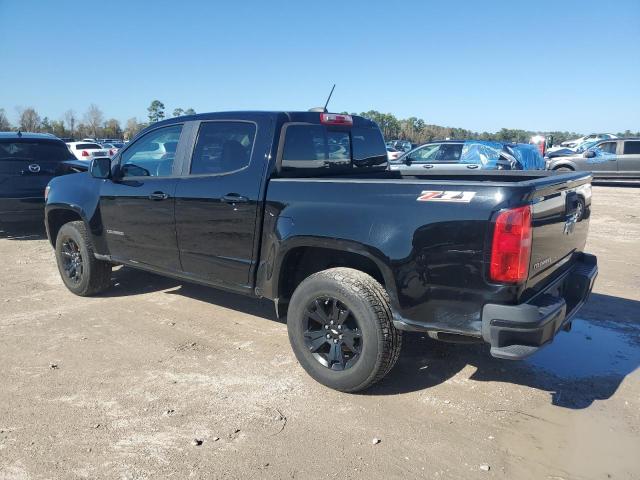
{"x": 319, "y": 149}
{"x": 34, "y": 151}
{"x": 631, "y": 148}
{"x": 88, "y": 146}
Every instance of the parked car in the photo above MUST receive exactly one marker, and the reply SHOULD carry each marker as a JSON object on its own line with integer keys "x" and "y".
{"x": 468, "y": 155}
{"x": 566, "y": 151}
{"x": 393, "y": 154}
{"x": 28, "y": 161}
{"x": 401, "y": 145}
{"x": 605, "y": 159}
{"x": 87, "y": 150}
{"x": 587, "y": 138}
{"x": 112, "y": 147}
{"x": 257, "y": 203}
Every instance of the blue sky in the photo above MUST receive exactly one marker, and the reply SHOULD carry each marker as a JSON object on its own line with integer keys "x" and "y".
{"x": 482, "y": 65}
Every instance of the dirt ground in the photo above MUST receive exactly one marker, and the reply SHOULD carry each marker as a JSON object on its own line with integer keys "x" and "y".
{"x": 120, "y": 386}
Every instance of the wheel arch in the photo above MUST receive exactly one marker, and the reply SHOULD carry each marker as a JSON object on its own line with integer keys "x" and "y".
{"x": 302, "y": 257}
{"x": 569, "y": 165}
{"x": 58, "y": 215}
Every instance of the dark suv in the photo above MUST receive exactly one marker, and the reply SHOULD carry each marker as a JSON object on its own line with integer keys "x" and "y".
{"x": 28, "y": 161}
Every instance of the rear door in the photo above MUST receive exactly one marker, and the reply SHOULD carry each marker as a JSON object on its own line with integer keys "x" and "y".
{"x": 27, "y": 165}
{"x": 218, "y": 200}
{"x": 629, "y": 160}
{"x": 137, "y": 208}
{"x": 448, "y": 158}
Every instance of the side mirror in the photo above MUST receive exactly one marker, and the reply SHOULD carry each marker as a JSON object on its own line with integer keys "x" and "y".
{"x": 589, "y": 154}
{"x": 100, "y": 167}
{"x": 407, "y": 160}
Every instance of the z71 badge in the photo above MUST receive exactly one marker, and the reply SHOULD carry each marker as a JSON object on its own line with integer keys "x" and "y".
{"x": 446, "y": 196}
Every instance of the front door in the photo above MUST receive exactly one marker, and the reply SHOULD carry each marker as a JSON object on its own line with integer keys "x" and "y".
{"x": 421, "y": 160}
{"x": 217, "y": 203}
{"x": 137, "y": 207}
{"x": 605, "y": 161}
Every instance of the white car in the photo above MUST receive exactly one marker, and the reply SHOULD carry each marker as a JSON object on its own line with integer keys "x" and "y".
{"x": 393, "y": 154}
{"x": 594, "y": 137}
{"x": 87, "y": 150}
{"x": 112, "y": 147}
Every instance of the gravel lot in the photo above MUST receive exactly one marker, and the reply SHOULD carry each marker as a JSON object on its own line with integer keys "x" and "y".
{"x": 122, "y": 385}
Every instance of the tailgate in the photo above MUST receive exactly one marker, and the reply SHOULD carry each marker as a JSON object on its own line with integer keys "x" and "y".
{"x": 561, "y": 208}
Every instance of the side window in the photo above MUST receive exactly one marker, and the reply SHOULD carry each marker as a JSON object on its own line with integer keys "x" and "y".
{"x": 426, "y": 154}
{"x": 153, "y": 154}
{"x": 450, "y": 152}
{"x": 222, "y": 147}
{"x": 632, "y": 148}
{"x": 608, "y": 147}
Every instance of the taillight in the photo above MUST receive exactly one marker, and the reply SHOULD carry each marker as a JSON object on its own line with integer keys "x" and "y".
{"x": 511, "y": 247}
{"x": 84, "y": 153}
{"x": 112, "y": 152}
{"x": 336, "y": 119}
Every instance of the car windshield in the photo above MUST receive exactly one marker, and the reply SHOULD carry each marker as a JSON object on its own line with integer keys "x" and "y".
{"x": 34, "y": 151}
{"x": 585, "y": 146}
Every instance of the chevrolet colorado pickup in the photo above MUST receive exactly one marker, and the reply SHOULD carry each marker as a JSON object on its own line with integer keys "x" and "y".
{"x": 300, "y": 208}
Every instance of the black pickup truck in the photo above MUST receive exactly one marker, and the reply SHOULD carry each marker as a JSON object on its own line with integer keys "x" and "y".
{"x": 300, "y": 208}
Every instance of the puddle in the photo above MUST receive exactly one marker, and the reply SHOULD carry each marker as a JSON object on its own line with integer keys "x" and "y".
{"x": 589, "y": 350}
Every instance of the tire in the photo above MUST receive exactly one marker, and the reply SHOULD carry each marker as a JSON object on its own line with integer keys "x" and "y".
{"x": 368, "y": 345}
{"x": 563, "y": 169}
{"x": 81, "y": 272}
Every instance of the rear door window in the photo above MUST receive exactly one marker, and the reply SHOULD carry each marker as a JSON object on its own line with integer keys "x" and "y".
{"x": 632, "y": 147}
{"x": 449, "y": 153}
{"x": 222, "y": 147}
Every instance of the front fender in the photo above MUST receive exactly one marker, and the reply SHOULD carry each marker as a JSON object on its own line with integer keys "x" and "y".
{"x": 78, "y": 193}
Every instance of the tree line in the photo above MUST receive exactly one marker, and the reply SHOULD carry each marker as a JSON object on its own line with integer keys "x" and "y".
{"x": 93, "y": 124}
{"x": 416, "y": 130}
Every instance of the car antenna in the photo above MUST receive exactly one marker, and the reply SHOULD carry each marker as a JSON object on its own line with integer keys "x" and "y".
{"x": 330, "y": 93}
{"x": 324, "y": 109}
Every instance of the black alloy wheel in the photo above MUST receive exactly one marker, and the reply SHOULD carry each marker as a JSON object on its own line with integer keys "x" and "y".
{"x": 332, "y": 333}
{"x": 72, "y": 261}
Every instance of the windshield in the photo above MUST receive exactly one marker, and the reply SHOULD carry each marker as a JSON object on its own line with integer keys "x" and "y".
{"x": 585, "y": 146}
{"x": 34, "y": 151}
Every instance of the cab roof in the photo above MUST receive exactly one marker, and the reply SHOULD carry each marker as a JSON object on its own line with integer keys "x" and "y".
{"x": 283, "y": 116}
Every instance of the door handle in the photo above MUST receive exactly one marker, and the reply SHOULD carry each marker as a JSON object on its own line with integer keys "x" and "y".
{"x": 158, "y": 196}
{"x": 472, "y": 166}
{"x": 427, "y": 166}
{"x": 234, "y": 198}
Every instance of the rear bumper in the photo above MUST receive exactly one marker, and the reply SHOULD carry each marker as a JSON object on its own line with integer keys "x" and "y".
{"x": 517, "y": 331}
{"x": 16, "y": 209}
